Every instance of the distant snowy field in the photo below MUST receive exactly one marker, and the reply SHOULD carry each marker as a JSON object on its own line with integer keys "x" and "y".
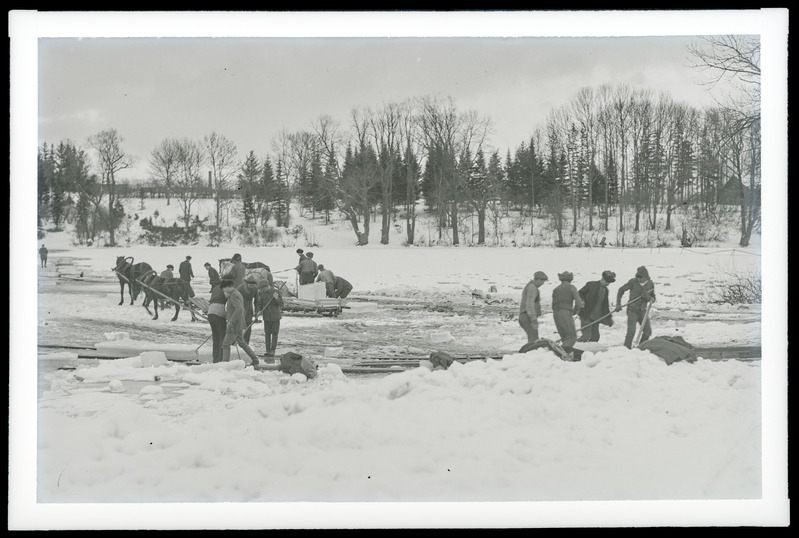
{"x": 620, "y": 425}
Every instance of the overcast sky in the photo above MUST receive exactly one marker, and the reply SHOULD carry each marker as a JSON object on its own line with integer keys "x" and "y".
{"x": 249, "y": 88}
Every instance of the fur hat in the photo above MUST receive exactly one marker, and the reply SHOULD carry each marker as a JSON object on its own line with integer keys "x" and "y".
{"x": 539, "y": 275}
{"x": 609, "y": 276}
{"x": 565, "y": 275}
{"x": 642, "y": 272}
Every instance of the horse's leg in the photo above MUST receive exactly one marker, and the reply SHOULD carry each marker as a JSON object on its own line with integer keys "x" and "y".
{"x": 146, "y": 304}
{"x": 121, "y": 292}
{"x": 130, "y": 290}
{"x": 155, "y": 307}
{"x": 177, "y": 311}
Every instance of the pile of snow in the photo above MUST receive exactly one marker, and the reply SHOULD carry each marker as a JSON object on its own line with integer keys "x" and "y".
{"x": 620, "y": 425}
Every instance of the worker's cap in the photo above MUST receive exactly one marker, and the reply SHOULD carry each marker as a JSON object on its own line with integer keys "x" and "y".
{"x": 609, "y": 276}
{"x": 565, "y": 275}
{"x": 188, "y": 257}
{"x": 299, "y": 251}
{"x": 539, "y": 275}
{"x": 170, "y": 266}
{"x": 207, "y": 264}
{"x": 236, "y": 257}
{"x": 642, "y": 272}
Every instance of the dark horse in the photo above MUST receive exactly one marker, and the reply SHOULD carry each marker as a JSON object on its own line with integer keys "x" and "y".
{"x": 158, "y": 288}
{"x": 129, "y": 273}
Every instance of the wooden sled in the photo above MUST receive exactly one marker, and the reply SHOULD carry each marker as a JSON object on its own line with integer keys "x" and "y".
{"x": 324, "y": 307}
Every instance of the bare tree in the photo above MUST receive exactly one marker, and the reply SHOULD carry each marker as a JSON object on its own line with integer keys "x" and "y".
{"x": 112, "y": 159}
{"x": 584, "y": 106}
{"x": 736, "y": 59}
{"x": 221, "y": 156}
{"x": 302, "y": 148}
{"x": 359, "y": 177}
{"x": 330, "y": 141}
{"x": 409, "y": 138}
{"x": 163, "y": 164}
{"x": 439, "y": 125}
{"x": 622, "y": 110}
{"x": 384, "y": 130}
{"x": 281, "y": 145}
{"x": 446, "y": 136}
{"x": 189, "y": 162}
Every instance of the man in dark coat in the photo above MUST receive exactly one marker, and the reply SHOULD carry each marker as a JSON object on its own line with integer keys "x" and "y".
{"x": 272, "y": 303}
{"x": 596, "y": 308}
{"x": 167, "y": 273}
{"x": 235, "y": 324}
{"x": 213, "y": 275}
{"x": 185, "y": 270}
{"x": 642, "y": 292}
{"x": 237, "y": 271}
{"x": 342, "y": 287}
{"x": 43, "y": 255}
{"x": 249, "y": 294}
{"x": 216, "y": 319}
{"x": 307, "y": 269}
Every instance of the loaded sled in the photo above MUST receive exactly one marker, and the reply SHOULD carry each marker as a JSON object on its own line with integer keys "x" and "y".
{"x": 310, "y": 299}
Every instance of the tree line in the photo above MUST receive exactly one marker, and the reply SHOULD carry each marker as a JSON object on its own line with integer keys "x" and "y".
{"x": 612, "y": 152}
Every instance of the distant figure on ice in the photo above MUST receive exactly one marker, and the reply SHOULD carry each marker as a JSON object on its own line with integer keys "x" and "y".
{"x": 342, "y": 288}
{"x": 43, "y": 256}
{"x": 213, "y": 275}
{"x": 185, "y": 270}
{"x": 235, "y": 325}
{"x": 216, "y": 319}
{"x": 566, "y": 303}
{"x": 272, "y": 307}
{"x": 530, "y": 308}
{"x": 596, "y": 308}
{"x": 327, "y": 276}
{"x": 642, "y": 292}
{"x": 307, "y": 269}
{"x": 236, "y": 272}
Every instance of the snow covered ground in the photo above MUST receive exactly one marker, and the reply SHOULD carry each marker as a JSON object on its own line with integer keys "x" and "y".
{"x": 618, "y": 438}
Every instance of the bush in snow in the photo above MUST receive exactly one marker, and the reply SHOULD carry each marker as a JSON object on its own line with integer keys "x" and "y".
{"x": 734, "y": 288}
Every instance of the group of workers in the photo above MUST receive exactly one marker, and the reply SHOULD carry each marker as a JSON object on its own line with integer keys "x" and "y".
{"x": 591, "y": 303}
{"x": 236, "y": 303}
{"x": 238, "y": 299}
{"x": 309, "y": 271}
{"x": 185, "y": 270}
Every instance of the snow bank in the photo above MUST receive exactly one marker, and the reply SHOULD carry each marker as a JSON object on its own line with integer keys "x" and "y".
{"x": 530, "y": 427}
